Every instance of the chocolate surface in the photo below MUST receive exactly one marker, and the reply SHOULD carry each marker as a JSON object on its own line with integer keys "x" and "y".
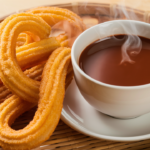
{"x": 101, "y": 60}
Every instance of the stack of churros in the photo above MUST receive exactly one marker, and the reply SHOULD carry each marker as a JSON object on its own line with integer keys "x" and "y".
{"x": 26, "y": 45}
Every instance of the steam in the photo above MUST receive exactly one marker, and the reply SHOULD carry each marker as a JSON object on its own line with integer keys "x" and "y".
{"x": 133, "y": 45}
{"x": 67, "y": 28}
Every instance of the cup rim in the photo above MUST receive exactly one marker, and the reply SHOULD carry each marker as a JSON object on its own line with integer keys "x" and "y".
{"x": 94, "y": 80}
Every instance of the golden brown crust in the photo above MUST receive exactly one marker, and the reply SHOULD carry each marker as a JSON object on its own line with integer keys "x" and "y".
{"x": 34, "y": 53}
{"x": 10, "y": 72}
{"x": 23, "y": 39}
{"x": 35, "y": 74}
{"x": 52, "y": 15}
{"x": 52, "y": 91}
{"x": 34, "y": 47}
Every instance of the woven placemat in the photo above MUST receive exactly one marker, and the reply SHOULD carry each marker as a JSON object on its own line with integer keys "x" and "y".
{"x": 65, "y": 138}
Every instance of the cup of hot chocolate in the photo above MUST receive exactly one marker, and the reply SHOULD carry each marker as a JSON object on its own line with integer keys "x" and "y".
{"x": 111, "y": 63}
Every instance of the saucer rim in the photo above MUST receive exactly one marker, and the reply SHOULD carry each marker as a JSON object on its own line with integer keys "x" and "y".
{"x": 66, "y": 118}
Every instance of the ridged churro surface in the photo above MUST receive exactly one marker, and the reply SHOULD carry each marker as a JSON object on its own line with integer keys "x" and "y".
{"x": 27, "y": 50}
{"x": 52, "y": 92}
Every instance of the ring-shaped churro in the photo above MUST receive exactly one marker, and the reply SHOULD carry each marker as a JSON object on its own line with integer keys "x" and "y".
{"x": 34, "y": 53}
{"x": 52, "y": 90}
{"x": 35, "y": 74}
{"x": 38, "y": 52}
{"x": 52, "y": 15}
{"x": 10, "y": 72}
{"x": 23, "y": 39}
{"x": 57, "y": 74}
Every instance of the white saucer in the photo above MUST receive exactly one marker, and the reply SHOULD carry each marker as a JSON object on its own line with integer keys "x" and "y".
{"x": 81, "y": 116}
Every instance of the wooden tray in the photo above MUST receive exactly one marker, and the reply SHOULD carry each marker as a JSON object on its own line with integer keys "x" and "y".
{"x": 65, "y": 138}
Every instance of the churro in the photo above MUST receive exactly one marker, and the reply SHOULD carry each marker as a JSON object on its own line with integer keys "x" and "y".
{"x": 53, "y": 15}
{"x": 10, "y": 72}
{"x": 26, "y": 43}
{"x": 52, "y": 90}
{"x": 23, "y": 39}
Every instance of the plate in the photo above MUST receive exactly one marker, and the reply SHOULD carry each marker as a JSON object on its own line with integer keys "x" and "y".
{"x": 81, "y": 116}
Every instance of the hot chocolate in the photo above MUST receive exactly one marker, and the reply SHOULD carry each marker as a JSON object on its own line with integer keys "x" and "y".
{"x": 101, "y": 60}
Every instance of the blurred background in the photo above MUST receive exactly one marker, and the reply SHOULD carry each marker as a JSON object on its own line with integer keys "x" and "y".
{"x": 10, "y": 6}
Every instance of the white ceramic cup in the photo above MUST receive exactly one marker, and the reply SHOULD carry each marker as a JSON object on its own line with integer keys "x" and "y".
{"x": 117, "y": 101}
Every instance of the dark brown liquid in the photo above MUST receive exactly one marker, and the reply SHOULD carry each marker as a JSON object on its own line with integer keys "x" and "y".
{"x": 101, "y": 61}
